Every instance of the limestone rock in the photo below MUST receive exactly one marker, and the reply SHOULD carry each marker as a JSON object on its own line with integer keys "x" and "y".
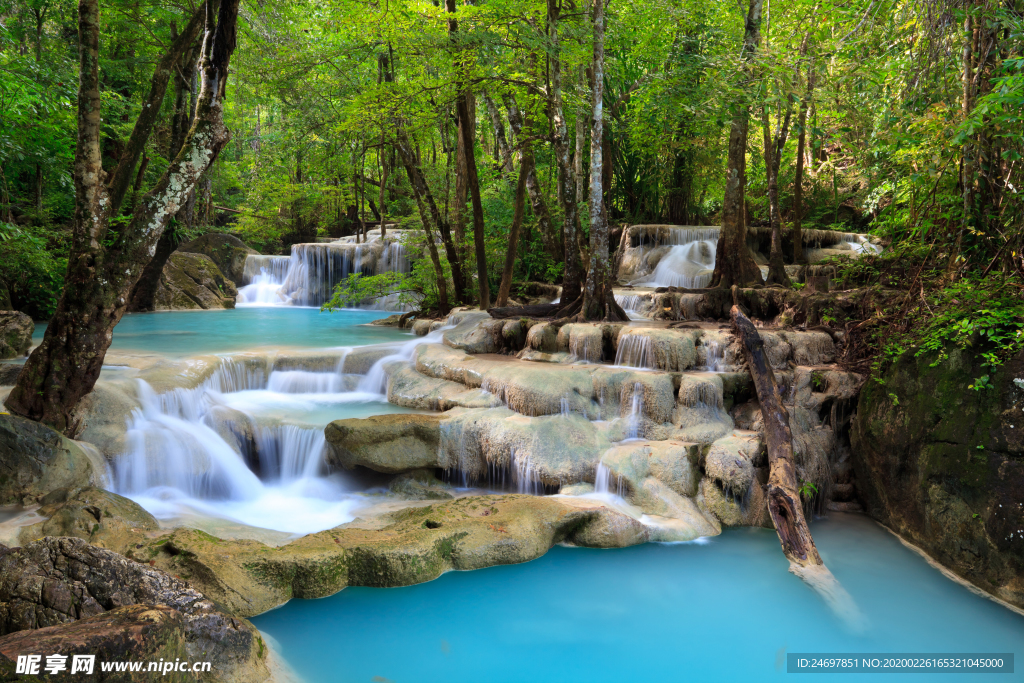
{"x": 420, "y": 485}
{"x": 385, "y": 443}
{"x": 942, "y": 465}
{"x": 416, "y": 544}
{"x": 104, "y": 414}
{"x": 9, "y": 373}
{"x": 35, "y": 460}
{"x": 193, "y": 281}
{"x": 476, "y": 332}
{"x": 15, "y": 334}
{"x": 411, "y": 389}
{"x": 226, "y": 251}
{"x": 655, "y": 498}
{"x": 670, "y": 350}
{"x": 77, "y": 598}
{"x": 610, "y": 529}
{"x": 103, "y": 518}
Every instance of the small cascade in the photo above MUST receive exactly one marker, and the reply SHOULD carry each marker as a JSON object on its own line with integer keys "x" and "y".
{"x": 525, "y": 475}
{"x": 715, "y": 356}
{"x": 565, "y": 408}
{"x": 635, "y": 351}
{"x": 630, "y": 302}
{"x": 202, "y": 450}
{"x": 634, "y": 424}
{"x": 603, "y": 482}
{"x": 288, "y": 453}
{"x": 394, "y": 259}
{"x": 376, "y": 380}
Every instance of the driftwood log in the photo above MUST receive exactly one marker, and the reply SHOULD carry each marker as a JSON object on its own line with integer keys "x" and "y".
{"x": 783, "y": 489}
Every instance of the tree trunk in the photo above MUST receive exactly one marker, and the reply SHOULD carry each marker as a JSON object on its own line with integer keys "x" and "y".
{"x": 733, "y": 263}
{"x": 797, "y": 234}
{"x": 429, "y": 215}
{"x": 500, "y": 141}
{"x": 784, "y": 504}
{"x": 467, "y": 136}
{"x": 143, "y": 293}
{"x": 518, "y": 210}
{"x": 776, "y": 264}
{"x": 598, "y": 298}
{"x": 571, "y": 286}
{"x": 521, "y": 128}
{"x": 66, "y": 365}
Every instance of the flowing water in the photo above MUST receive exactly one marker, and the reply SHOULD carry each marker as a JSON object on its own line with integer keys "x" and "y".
{"x": 724, "y": 609}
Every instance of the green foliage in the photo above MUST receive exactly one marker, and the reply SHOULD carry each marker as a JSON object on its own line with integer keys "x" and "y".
{"x": 32, "y": 267}
{"x": 808, "y": 490}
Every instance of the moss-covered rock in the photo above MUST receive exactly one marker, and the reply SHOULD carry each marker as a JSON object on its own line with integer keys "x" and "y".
{"x": 15, "y": 334}
{"x": 385, "y": 443}
{"x": 100, "y": 517}
{"x": 227, "y": 251}
{"x": 943, "y": 465}
{"x": 35, "y": 460}
{"x": 193, "y": 281}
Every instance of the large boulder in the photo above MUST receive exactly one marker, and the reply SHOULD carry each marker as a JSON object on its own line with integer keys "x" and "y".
{"x": 100, "y": 517}
{"x": 75, "y": 598}
{"x": 193, "y": 281}
{"x": 35, "y": 460}
{"x": 942, "y": 464}
{"x": 227, "y": 251}
{"x": 15, "y": 334}
{"x": 385, "y": 443}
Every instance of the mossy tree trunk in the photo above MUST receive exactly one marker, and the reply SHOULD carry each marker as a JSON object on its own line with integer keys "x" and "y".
{"x": 104, "y": 263}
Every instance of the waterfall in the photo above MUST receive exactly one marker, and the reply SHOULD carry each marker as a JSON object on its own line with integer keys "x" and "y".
{"x": 525, "y": 475}
{"x": 634, "y": 424}
{"x": 689, "y": 265}
{"x": 636, "y": 351}
{"x": 204, "y": 450}
{"x": 715, "y": 356}
{"x": 309, "y": 275}
{"x": 376, "y": 379}
{"x": 603, "y": 481}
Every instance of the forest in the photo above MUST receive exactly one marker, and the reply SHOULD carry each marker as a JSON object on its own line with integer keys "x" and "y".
{"x": 298, "y": 297}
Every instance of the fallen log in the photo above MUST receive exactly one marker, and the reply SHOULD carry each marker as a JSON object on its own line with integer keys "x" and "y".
{"x": 784, "y": 505}
{"x": 783, "y": 489}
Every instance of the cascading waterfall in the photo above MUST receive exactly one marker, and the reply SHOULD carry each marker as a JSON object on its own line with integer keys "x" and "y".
{"x": 309, "y": 275}
{"x": 525, "y": 474}
{"x": 635, "y": 351}
{"x": 203, "y": 450}
{"x": 689, "y": 261}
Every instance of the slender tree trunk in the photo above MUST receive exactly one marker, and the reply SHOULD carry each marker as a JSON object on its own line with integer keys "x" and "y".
{"x": 500, "y": 141}
{"x": 66, "y": 365}
{"x": 733, "y": 263}
{"x": 571, "y": 275}
{"x": 467, "y": 130}
{"x": 521, "y": 128}
{"x": 598, "y": 298}
{"x": 518, "y": 210}
{"x": 143, "y": 295}
{"x": 383, "y": 184}
{"x": 430, "y": 216}
{"x": 798, "y": 180}
{"x": 776, "y": 264}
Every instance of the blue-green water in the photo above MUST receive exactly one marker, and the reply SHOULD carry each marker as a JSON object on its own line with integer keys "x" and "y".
{"x": 725, "y": 610}
{"x": 186, "y": 333}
